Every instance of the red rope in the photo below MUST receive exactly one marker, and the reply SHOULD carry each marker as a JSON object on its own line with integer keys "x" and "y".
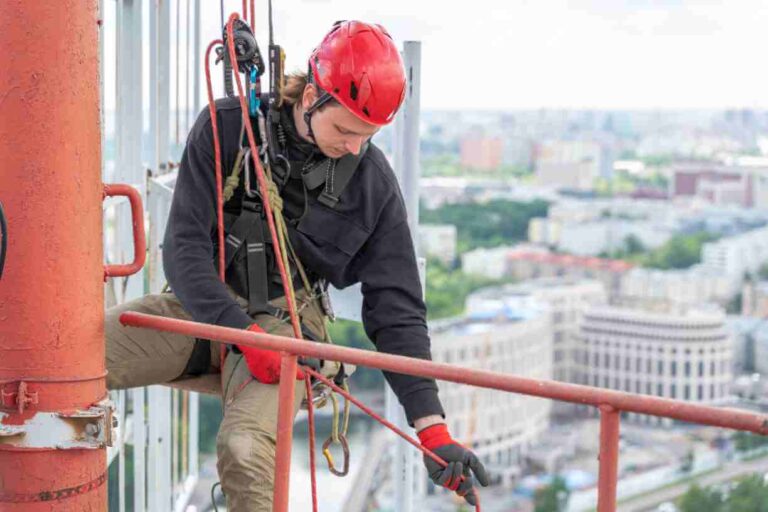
{"x": 311, "y": 418}
{"x": 219, "y": 184}
{"x": 271, "y": 223}
{"x": 217, "y": 155}
{"x": 278, "y": 255}
{"x": 263, "y": 189}
{"x": 393, "y": 428}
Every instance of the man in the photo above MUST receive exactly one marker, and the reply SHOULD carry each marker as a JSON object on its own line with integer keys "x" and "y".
{"x": 355, "y": 84}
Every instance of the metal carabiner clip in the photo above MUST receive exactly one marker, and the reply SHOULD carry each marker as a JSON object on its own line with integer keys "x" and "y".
{"x": 328, "y": 457}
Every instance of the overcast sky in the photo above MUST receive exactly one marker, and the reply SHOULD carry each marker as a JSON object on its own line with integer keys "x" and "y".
{"x": 504, "y": 54}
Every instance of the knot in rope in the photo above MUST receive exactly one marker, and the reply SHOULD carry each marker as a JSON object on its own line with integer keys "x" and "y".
{"x": 275, "y": 199}
{"x": 230, "y": 185}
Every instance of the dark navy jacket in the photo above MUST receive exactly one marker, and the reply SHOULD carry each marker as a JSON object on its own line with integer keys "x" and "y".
{"x": 364, "y": 239}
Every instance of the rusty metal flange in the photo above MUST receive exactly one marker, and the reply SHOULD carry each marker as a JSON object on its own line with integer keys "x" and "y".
{"x": 90, "y": 428}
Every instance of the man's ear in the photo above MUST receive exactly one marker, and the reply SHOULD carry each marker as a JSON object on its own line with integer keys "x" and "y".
{"x": 309, "y": 96}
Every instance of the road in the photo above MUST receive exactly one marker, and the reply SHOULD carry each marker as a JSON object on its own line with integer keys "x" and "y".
{"x": 727, "y": 473}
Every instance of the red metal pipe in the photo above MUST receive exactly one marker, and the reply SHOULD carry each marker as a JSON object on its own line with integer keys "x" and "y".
{"x": 285, "y": 418}
{"x": 288, "y": 362}
{"x": 139, "y": 239}
{"x": 51, "y": 293}
{"x": 311, "y": 419}
{"x": 642, "y": 404}
{"x": 610, "y": 420}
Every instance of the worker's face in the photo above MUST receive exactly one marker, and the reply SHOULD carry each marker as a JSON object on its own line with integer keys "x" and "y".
{"x": 337, "y": 130}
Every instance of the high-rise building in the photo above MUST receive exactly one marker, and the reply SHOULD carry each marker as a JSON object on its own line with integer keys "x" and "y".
{"x": 566, "y": 299}
{"x": 571, "y": 164}
{"x": 737, "y": 255}
{"x": 743, "y": 182}
{"x": 690, "y": 286}
{"x": 500, "y": 427}
{"x": 683, "y": 354}
{"x": 482, "y": 153}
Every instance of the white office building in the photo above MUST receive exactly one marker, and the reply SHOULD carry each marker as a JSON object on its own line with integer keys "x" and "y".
{"x": 683, "y": 354}
{"x": 501, "y": 427}
{"x": 689, "y": 286}
{"x": 736, "y": 255}
{"x": 566, "y": 299}
{"x": 438, "y": 241}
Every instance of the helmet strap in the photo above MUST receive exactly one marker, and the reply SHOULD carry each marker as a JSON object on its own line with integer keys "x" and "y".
{"x": 319, "y": 102}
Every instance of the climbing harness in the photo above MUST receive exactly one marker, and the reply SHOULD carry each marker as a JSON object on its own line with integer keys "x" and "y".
{"x": 262, "y": 208}
{"x": 263, "y": 205}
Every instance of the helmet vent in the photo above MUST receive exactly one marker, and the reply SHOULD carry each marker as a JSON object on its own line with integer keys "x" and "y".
{"x": 353, "y": 91}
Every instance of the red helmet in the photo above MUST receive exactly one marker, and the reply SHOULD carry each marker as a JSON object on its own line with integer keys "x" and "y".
{"x": 358, "y": 64}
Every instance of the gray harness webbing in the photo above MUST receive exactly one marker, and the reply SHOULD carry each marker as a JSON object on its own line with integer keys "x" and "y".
{"x": 335, "y": 174}
{"x": 247, "y": 230}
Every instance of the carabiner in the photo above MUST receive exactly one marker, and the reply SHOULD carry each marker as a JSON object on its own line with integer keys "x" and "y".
{"x": 328, "y": 457}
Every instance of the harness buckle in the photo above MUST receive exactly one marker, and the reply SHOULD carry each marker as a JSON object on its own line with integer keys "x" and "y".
{"x": 253, "y": 206}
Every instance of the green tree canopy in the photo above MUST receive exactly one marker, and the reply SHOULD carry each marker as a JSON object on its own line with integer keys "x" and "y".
{"x": 552, "y": 498}
{"x": 700, "y": 500}
{"x": 750, "y": 494}
{"x": 490, "y": 224}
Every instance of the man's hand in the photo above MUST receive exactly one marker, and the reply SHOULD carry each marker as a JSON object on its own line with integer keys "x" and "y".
{"x": 264, "y": 364}
{"x": 462, "y": 463}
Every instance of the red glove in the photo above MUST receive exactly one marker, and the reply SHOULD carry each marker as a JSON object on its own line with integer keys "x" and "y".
{"x": 264, "y": 364}
{"x": 462, "y": 463}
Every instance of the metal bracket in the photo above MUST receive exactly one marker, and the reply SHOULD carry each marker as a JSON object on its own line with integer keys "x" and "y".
{"x": 98, "y": 422}
{"x": 91, "y": 428}
{"x": 20, "y": 398}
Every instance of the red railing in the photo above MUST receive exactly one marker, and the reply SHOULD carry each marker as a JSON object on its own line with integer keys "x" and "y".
{"x": 610, "y": 403}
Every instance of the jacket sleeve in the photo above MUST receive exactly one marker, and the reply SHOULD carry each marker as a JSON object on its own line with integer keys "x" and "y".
{"x": 188, "y": 249}
{"x": 394, "y": 313}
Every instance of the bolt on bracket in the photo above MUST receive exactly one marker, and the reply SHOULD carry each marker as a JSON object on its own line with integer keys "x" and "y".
{"x": 91, "y": 428}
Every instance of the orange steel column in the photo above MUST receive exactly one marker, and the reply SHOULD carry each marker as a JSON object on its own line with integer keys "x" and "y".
{"x": 608, "y": 478}
{"x": 52, "y": 429}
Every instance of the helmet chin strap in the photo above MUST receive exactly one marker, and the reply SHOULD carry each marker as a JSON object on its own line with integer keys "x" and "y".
{"x": 322, "y": 100}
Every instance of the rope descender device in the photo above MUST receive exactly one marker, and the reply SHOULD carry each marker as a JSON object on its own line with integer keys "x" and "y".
{"x": 248, "y": 57}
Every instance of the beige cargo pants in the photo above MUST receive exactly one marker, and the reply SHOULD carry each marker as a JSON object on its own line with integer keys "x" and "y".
{"x": 248, "y": 433}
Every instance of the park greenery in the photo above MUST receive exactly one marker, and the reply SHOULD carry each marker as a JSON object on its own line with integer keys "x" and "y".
{"x": 448, "y": 165}
{"x": 747, "y": 495}
{"x": 447, "y": 289}
{"x": 680, "y": 251}
{"x": 497, "y": 222}
{"x": 551, "y": 498}
{"x": 746, "y": 441}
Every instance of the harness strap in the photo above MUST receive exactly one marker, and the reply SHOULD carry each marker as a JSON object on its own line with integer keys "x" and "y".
{"x": 247, "y": 230}
{"x": 317, "y": 174}
{"x": 335, "y": 174}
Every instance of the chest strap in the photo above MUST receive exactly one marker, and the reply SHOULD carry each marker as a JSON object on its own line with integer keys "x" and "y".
{"x": 335, "y": 174}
